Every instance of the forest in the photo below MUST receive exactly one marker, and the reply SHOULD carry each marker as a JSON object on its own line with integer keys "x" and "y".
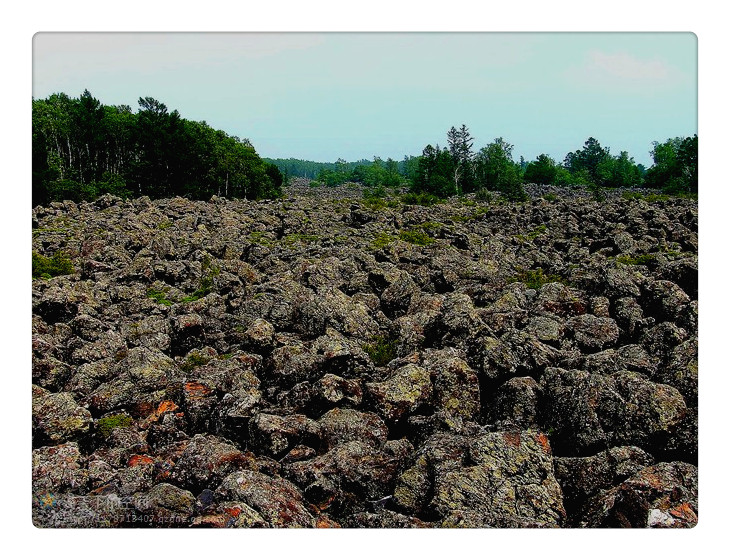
{"x": 83, "y": 149}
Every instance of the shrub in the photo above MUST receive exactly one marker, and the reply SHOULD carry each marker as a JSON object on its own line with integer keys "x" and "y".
{"x": 44, "y": 267}
{"x": 535, "y": 279}
{"x": 632, "y": 195}
{"x": 382, "y": 350}
{"x": 534, "y": 234}
{"x": 193, "y": 360}
{"x": 422, "y": 198}
{"x": 260, "y": 238}
{"x": 294, "y": 238}
{"x": 416, "y": 236}
{"x": 484, "y": 195}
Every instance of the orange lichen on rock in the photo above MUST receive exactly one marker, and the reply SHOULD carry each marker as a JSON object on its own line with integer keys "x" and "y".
{"x": 233, "y": 511}
{"x": 195, "y": 390}
{"x": 542, "y": 439}
{"x": 135, "y": 460}
{"x": 324, "y": 522}
{"x": 685, "y": 512}
{"x": 162, "y": 408}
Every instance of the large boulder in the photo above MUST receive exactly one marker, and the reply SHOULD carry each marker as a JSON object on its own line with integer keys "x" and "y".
{"x": 662, "y": 495}
{"x": 57, "y": 417}
{"x": 402, "y": 393}
{"x": 587, "y": 412}
{"x": 499, "y": 479}
{"x": 276, "y": 500}
{"x": 205, "y": 461}
{"x": 582, "y": 478}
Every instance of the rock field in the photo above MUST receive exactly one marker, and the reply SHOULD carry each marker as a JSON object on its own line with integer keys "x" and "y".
{"x": 316, "y": 361}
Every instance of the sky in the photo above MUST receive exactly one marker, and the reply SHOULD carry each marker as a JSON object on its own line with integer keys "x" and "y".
{"x": 324, "y": 96}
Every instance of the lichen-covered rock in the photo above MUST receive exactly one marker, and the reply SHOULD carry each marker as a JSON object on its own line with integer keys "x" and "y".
{"x": 664, "y": 300}
{"x": 347, "y": 475}
{"x": 581, "y": 478}
{"x": 593, "y": 333}
{"x": 500, "y": 479}
{"x": 205, "y": 461}
{"x": 402, "y": 393}
{"x": 57, "y": 417}
{"x": 439, "y": 454}
{"x": 341, "y": 425}
{"x": 59, "y": 468}
{"x": 590, "y": 411}
{"x": 165, "y": 505}
{"x": 274, "y": 435}
{"x": 662, "y": 495}
{"x": 516, "y": 403}
{"x": 235, "y": 514}
{"x": 512, "y": 483}
{"x": 384, "y": 519}
{"x": 260, "y": 336}
{"x": 137, "y": 384}
{"x": 333, "y": 390}
{"x": 557, "y": 300}
{"x": 291, "y": 364}
{"x": 65, "y": 510}
{"x": 455, "y": 385}
{"x": 276, "y": 500}
{"x": 681, "y": 370}
{"x": 547, "y": 329}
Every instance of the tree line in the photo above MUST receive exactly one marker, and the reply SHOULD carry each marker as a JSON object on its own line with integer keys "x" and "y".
{"x": 83, "y": 149}
{"x": 458, "y": 168}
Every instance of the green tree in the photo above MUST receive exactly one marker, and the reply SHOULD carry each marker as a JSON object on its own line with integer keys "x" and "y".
{"x": 619, "y": 171}
{"x": 542, "y": 171}
{"x": 435, "y": 174}
{"x": 587, "y": 160}
{"x": 675, "y": 165}
{"x": 495, "y": 170}
{"x": 460, "y": 147}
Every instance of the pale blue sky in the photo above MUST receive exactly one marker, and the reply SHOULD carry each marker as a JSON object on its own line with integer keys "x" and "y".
{"x": 322, "y": 96}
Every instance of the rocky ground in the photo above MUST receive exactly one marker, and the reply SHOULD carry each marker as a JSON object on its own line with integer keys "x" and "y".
{"x": 319, "y": 361}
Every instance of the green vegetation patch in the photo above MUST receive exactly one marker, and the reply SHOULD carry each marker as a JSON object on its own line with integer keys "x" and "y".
{"x": 382, "y": 350}
{"x": 260, "y": 238}
{"x": 416, "y": 236}
{"x": 645, "y": 259}
{"x": 533, "y": 234}
{"x": 194, "y": 360}
{"x": 421, "y": 199}
{"x": 57, "y": 265}
{"x": 535, "y": 279}
{"x": 105, "y": 426}
{"x": 295, "y": 238}
{"x": 382, "y": 240}
{"x": 159, "y": 296}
